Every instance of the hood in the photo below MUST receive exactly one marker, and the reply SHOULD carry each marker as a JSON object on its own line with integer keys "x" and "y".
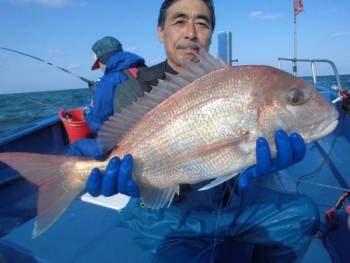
{"x": 123, "y": 60}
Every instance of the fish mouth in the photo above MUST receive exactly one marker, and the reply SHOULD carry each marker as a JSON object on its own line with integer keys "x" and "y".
{"x": 325, "y": 131}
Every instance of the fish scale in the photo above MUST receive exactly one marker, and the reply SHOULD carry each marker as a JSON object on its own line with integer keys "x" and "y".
{"x": 177, "y": 136}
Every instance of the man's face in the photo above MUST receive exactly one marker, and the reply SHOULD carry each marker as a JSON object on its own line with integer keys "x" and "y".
{"x": 187, "y": 28}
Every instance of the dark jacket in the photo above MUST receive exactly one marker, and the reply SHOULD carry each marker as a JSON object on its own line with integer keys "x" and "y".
{"x": 102, "y": 102}
{"x": 148, "y": 77}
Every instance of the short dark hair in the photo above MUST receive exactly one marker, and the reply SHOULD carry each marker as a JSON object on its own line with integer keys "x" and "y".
{"x": 167, "y": 3}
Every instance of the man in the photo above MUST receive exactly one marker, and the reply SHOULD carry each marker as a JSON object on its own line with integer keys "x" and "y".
{"x": 114, "y": 62}
{"x": 279, "y": 225}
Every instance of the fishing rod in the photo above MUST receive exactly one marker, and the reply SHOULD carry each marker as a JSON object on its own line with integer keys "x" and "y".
{"x": 91, "y": 84}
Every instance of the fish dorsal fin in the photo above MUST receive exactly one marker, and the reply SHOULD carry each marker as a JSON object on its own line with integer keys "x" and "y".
{"x": 130, "y": 114}
{"x": 126, "y": 93}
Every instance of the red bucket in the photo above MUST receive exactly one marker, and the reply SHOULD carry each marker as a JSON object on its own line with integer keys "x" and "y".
{"x": 75, "y": 124}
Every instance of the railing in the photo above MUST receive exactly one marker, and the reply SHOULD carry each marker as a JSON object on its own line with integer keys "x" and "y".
{"x": 313, "y": 68}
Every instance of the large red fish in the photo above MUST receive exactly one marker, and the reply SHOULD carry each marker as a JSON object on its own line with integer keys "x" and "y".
{"x": 195, "y": 126}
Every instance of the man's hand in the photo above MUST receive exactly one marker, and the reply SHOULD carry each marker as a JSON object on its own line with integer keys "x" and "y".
{"x": 115, "y": 179}
{"x": 290, "y": 150}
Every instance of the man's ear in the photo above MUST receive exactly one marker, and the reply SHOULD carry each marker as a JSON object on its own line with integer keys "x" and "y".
{"x": 160, "y": 34}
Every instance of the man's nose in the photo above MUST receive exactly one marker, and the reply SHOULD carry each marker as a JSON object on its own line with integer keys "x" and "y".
{"x": 191, "y": 32}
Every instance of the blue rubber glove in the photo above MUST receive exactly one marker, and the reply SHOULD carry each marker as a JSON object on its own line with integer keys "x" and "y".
{"x": 87, "y": 148}
{"x": 115, "y": 179}
{"x": 290, "y": 150}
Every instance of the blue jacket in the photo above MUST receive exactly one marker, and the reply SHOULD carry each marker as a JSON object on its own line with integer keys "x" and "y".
{"x": 102, "y": 102}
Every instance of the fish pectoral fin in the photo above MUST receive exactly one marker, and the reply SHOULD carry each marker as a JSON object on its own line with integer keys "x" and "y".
{"x": 206, "y": 149}
{"x": 217, "y": 181}
{"x": 156, "y": 198}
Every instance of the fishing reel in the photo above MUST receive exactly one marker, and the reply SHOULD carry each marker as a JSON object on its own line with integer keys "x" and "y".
{"x": 332, "y": 215}
{"x": 92, "y": 86}
{"x": 345, "y": 100}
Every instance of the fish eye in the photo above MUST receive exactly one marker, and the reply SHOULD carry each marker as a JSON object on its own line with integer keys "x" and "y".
{"x": 296, "y": 97}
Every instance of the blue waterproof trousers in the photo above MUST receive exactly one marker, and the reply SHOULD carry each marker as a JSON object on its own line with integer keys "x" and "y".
{"x": 278, "y": 225}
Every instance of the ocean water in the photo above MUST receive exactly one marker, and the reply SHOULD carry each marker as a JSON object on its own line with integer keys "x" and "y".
{"x": 17, "y": 110}
{"x": 328, "y": 81}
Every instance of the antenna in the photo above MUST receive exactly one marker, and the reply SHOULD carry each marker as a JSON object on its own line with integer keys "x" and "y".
{"x": 225, "y": 47}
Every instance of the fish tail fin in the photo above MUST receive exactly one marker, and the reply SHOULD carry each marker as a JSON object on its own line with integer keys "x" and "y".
{"x": 57, "y": 178}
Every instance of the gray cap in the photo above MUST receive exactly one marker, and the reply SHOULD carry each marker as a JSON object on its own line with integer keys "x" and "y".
{"x": 104, "y": 48}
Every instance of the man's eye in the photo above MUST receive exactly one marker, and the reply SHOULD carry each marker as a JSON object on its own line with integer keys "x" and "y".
{"x": 203, "y": 24}
{"x": 179, "y": 22}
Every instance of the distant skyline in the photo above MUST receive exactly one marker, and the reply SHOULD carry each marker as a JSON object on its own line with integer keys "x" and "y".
{"x": 63, "y": 31}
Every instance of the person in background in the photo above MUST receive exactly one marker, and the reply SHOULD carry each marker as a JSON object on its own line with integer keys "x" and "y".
{"x": 120, "y": 69}
{"x": 280, "y": 226}
{"x": 115, "y": 63}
